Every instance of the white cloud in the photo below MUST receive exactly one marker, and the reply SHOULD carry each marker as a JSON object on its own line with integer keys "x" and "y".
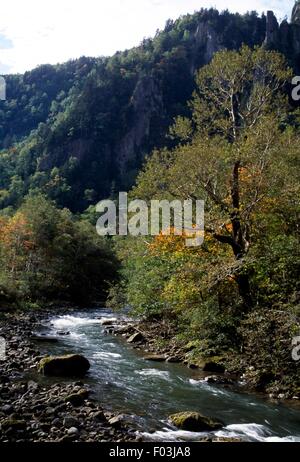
{"x": 51, "y": 32}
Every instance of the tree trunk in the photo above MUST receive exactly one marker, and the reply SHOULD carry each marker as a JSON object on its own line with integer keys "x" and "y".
{"x": 244, "y": 290}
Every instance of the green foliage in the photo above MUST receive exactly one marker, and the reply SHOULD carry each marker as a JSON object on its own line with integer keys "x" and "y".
{"x": 238, "y": 292}
{"x": 63, "y": 128}
{"x": 266, "y": 338}
{"x": 47, "y": 255}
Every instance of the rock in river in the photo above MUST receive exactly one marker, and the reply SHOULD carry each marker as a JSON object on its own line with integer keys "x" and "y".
{"x": 195, "y": 422}
{"x": 64, "y": 366}
{"x": 108, "y": 322}
{"x": 135, "y": 338}
{"x": 44, "y": 338}
{"x": 155, "y": 358}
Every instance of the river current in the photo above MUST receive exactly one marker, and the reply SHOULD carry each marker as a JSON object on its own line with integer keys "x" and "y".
{"x": 123, "y": 381}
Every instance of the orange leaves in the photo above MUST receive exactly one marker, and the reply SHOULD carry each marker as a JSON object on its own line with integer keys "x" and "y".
{"x": 173, "y": 240}
{"x": 229, "y": 227}
{"x": 16, "y": 230}
{"x": 16, "y": 240}
{"x": 245, "y": 175}
{"x": 167, "y": 242}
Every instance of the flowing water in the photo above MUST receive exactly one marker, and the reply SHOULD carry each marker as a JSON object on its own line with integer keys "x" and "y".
{"x": 124, "y": 382}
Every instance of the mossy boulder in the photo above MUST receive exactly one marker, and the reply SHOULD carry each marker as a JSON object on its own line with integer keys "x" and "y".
{"x": 195, "y": 422}
{"x": 64, "y": 366}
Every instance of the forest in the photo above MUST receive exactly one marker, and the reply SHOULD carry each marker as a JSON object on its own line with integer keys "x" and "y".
{"x": 164, "y": 120}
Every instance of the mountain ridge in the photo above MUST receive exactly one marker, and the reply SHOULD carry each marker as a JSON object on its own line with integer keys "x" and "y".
{"x": 80, "y": 130}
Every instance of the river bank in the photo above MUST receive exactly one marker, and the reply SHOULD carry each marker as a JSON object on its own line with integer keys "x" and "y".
{"x": 158, "y": 342}
{"x": 31, "y": 410}
{"x": 129, "y": 392}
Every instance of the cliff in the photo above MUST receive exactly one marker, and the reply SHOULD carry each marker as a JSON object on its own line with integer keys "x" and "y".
{"x": 285, "y": 37}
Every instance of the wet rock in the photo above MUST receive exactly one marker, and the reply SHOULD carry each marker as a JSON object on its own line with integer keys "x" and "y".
{"x": 195, "y": 422}
{"x": 135, "y": 338}
{"x": 64, "y": 366}
{"x": 124, "y": 330}
{"x": 219, "y": 380}
{"x": 155, "y": 358}
{"x": 108, "y": 322}
{"x": 44, "y": 338}
{"x": 173, "y": 359}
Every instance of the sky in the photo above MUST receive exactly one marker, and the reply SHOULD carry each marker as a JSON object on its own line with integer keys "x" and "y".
{"x": 34, "y": 32}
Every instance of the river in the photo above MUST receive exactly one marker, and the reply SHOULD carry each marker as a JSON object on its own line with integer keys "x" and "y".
{"x": 125, "y": 382}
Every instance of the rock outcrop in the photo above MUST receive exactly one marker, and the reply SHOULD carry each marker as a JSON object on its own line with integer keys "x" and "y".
{"x": 295, "y": 19}
{"x": 146, "y": 103}
{"x": 285, "y": 37}
{"x": 272, "y": 31}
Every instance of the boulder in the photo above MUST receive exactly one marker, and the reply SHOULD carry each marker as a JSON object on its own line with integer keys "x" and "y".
{"x": 135, "y": 338}
{"x": 218, "y": 380}
{"x": 195, "y": 422}
{"x": 129, "y": 329}
{"x": 108, "y": 322}
{"x": 174, "y": 359}
{"x": 64, "y": 366}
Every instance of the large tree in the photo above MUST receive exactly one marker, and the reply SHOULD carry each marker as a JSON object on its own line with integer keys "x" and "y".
{"x": 233, "y": 152}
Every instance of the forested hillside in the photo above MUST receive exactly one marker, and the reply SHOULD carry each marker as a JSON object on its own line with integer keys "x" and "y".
{"x": 79, "y": 131}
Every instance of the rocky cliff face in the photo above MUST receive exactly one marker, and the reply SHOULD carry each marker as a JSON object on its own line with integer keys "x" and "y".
{"x": 286, "y": 36}
{"x": 146, "y": 102}
{"x": 272, "y": 31}
{"x": 296, "y": 14}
